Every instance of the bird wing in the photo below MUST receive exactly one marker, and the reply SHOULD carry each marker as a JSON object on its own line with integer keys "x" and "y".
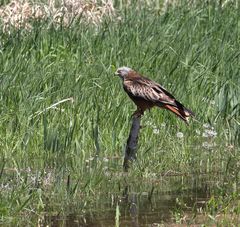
{"x": 149, "y": 90}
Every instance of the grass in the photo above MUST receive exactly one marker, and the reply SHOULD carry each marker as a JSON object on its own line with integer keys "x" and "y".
{"x": 65, "y": 118}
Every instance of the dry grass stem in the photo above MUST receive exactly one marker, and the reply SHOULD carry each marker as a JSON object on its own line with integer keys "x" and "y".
{"x": 19, "y": 14}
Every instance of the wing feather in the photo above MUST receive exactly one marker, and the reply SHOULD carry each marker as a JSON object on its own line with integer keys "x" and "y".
{"x": 144, "y": 88}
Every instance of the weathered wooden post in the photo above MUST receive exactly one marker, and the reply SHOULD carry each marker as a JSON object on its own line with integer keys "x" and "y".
{"x": 131, "y": 147}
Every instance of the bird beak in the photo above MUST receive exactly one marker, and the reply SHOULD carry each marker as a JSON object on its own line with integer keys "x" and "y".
{"x": 116, "y": 73}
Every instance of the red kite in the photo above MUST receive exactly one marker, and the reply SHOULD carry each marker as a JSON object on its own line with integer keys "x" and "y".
{"x": 146, "y": 94}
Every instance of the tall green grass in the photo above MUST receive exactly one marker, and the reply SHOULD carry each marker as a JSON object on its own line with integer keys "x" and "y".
{"x": 69, "y": 154}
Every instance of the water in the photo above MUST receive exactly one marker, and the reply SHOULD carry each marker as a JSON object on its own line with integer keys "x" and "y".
{"x": 139, "y": 210}
{"x": 151, "y": 200}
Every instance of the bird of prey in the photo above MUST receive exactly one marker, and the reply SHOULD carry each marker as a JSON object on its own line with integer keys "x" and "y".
{"x": 146, "y": 94}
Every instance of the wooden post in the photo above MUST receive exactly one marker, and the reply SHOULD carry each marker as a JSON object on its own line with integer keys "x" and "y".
{"x": 131, "y": 147}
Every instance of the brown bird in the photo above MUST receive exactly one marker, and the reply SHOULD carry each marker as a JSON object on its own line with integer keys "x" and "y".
{"x": 146, "y": 94}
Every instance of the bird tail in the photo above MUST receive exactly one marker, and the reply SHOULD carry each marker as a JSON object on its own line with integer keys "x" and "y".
{"x": 181, "y": 111}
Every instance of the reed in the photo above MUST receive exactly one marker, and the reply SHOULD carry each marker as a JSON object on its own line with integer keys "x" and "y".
{"x": 65, "y": 118}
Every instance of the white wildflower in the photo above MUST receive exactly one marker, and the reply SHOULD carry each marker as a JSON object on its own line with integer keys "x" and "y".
{"x": 163, "y": 125}
{"x": 48, "y": 179}
{"x": 198, "y": 132}
{"x": 207, "y": 145}
{"x": 107, "y": 173}
{"x": 105, "y": 168}
{"x": 105, "y": 159}
{"x": 180, "y": 135}
{"x": 91, "y": 158}
{"x": 209, "y": 133}
{"x": 206, "y": 125}
{"x": 212, "y": 102}
{"x": 230, "y": 146}
{"x": 156, "y": 131}
{"x": 148, "y": 123}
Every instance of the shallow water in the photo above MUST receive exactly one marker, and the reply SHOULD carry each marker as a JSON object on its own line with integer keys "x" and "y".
{"x": 139, "y": 210}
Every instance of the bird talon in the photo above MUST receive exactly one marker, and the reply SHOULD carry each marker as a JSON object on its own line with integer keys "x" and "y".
{"x": 138, "y": 113}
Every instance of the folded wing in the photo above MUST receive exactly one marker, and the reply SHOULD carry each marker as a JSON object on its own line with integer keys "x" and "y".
{"x": 148, "y": 90}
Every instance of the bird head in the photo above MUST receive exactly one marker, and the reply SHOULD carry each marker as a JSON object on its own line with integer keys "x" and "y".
{"x": 123, "y": 71}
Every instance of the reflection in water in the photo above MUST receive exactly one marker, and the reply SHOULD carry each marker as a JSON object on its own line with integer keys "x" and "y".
{"x": 133, "y": 210}
{"x": 137, "y": 209}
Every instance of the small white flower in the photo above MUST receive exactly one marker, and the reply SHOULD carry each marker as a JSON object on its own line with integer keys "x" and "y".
{"x": 5, "y": 187}
{"x": 105, "y": 168}
{"x": 153, "y": 175}
{"x": 205, "y": 144}
{"x": 209, "y": 133}
{"x": 180, "y": 135}
{"x": 91, "y": 158}
{"x": 107, "y": 173}
{"x": 163, "y": 125}
{"x": 148, "y": 123}
{"x": 154, "y": 127}
{"x": 230, "y": 146}
{"x": 208, "y": 145}
{"x": 206, "y": 125}
{"x": 198, "y": 132}
{"x": 105, "y": 159}
{"x": 156, "y": 131}
{"x": 212, "y": 102}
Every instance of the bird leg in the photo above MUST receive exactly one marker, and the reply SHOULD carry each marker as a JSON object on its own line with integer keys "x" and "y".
{"x": 138, "y": 113}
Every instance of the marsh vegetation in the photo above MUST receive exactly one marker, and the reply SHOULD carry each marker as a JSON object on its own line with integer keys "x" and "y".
{"x": 65, "y": 118}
